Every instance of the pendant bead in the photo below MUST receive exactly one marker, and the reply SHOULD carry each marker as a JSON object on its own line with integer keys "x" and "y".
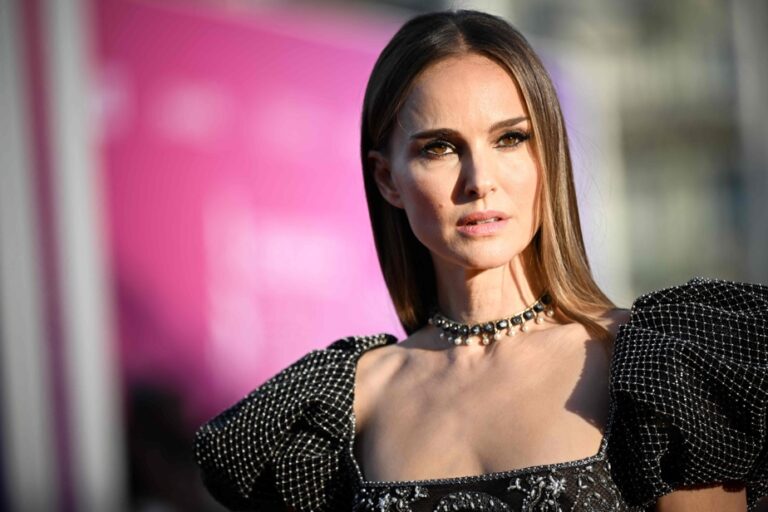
{"x": 458, "y": 333}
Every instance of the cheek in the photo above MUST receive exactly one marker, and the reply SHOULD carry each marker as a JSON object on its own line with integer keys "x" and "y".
{"x": 522, "y": 188}
{"x": 531, "y": 190}
{"x": 426, "y": 203}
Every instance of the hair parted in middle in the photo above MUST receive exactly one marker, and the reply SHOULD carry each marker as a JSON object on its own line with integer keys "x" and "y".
{"x": 558, "y": 254}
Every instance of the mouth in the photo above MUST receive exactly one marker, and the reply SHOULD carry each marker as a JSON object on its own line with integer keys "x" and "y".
{"x": 482, "y": 224}
{"x": 484, "y": 221}
{"x": 478, "y": 218}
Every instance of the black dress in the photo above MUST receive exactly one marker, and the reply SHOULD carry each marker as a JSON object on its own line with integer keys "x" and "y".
{"x": 688, "y": 405}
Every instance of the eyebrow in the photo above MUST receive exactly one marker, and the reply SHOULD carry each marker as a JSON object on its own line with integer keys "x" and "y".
{"x": 448, "y": 132}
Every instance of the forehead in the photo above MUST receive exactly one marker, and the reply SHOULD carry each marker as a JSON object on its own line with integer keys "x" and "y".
{"x": 466, "y": 91}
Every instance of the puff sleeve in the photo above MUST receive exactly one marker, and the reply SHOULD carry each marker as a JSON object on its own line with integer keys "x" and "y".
{"x": 689, "y": 388}
{"x": 281, "y": 444}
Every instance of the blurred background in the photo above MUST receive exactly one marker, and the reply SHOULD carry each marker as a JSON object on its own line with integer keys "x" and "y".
{"x": 182, "y": 211}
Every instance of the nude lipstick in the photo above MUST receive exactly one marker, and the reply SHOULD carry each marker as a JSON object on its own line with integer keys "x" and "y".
{"x": 486, "y": 223}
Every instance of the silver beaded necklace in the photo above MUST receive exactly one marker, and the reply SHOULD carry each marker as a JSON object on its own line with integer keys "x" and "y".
{"x": 459, "y": 333}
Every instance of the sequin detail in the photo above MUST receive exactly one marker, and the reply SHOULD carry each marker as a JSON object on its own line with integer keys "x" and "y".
{"x": 561, "y": 487}
{"x": 688, "y": 395}
{"x": 283, "y": 443}
{"x": 394, "y": 499}
{"x": 470, "y": 501}
{"x": 542, "y": 492}
{"x": 596, "y": 491}
{"x": 689, "y": 380}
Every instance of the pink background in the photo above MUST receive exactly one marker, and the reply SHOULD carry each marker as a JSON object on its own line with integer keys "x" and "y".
{"x": 239, "y": 234}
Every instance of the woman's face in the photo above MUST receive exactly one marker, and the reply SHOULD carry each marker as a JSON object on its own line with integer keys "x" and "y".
{"x": 460, "y": 147}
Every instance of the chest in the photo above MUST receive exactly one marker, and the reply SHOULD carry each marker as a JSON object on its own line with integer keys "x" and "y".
{"x": 577, "y": 485}
{"x": 525, "y": 413}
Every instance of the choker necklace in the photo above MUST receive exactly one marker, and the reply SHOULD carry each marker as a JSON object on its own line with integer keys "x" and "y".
{"x": 459, "y": 333}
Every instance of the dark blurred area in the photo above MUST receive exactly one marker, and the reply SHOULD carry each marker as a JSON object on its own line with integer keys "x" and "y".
{"x": 182, "y": 212}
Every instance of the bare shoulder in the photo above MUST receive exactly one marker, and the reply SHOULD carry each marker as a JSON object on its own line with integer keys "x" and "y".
{"x": 614, "y": 318}
{"x": 375, "y": 369}
{"x": 574, "y": 338}
{"x": 611, "y": 320}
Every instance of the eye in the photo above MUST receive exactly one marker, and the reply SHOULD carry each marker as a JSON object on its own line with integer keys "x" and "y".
{"x": 437, "y": 149}
{"x": 512, "y": 139}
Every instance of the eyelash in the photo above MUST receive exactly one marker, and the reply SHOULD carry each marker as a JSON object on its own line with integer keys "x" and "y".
{"x": 518, "y": 136}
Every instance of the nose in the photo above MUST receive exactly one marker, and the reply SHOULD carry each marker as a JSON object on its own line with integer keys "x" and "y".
{"x": 479, "y": 174}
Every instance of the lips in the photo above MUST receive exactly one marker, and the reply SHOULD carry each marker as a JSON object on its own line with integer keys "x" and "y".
{"x": 479, "y": 218}
{"x": 489, "y": 223}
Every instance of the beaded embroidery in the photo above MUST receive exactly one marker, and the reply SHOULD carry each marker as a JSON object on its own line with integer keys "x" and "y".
{"x": 395, "y": 499}
{"x": 688, "y": 390}
{"x": 542, "y": 492}
{"x": 576, "y": 486}
{"x": 468, "y": 501}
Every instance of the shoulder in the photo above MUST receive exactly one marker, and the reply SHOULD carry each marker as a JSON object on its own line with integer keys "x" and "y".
{"x": 689, "y": 389}
{"x": 322, "y": 371}
{"x": 295, "y": 423}
{"x": 690, "y": 325}
{"x": 375, "y": 370}
{"x": 576, "y": 337}
{"x": 614, "y": 318}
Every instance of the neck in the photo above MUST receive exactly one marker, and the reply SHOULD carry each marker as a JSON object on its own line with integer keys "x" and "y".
{"x": 475, "y": 296}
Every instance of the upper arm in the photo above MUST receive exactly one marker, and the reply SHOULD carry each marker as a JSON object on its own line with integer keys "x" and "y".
{"x": 704, "y": 499}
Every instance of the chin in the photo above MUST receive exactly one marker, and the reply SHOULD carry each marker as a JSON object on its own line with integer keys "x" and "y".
{"x": 486, "y": 263}
{"x": 484, "y": 258}
{"x": 478, "y": 254}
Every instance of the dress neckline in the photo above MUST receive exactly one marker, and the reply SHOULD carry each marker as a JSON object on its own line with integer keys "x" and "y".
{"x": 362, "y": 482}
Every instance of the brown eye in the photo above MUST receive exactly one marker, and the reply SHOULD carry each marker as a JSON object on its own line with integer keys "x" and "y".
{"x": 437, "y": 149}
{"x": 512, "y": 139}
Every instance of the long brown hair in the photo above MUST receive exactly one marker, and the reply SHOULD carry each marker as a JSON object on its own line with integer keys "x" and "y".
{"x": 558, "y": 248}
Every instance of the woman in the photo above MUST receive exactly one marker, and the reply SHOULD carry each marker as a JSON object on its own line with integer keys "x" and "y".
{"x": 500, "y": 397}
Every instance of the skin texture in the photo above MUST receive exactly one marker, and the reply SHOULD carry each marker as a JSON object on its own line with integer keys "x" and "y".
{"x": 544, "y": 393}
{"x": 546, "y": 390}
{"x": 437, "y": 180}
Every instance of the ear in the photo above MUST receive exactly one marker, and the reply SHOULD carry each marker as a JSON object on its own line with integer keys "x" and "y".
{"x": 382, "y": 174}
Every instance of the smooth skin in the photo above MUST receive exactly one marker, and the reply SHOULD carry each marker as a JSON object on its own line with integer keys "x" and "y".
{"x": 427, "y": 409}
